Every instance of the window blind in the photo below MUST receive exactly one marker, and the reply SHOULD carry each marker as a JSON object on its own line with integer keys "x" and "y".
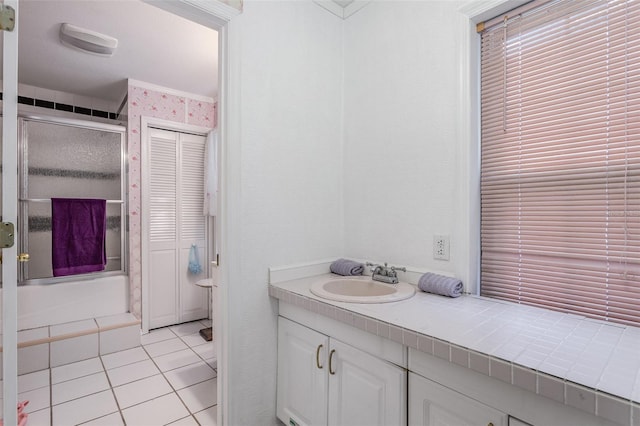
{"x": 560, "y": 174}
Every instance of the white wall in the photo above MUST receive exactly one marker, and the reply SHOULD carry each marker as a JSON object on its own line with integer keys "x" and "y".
{"x": 401, "y": 167}
{"x": 347, "y": 145}
{"x": 289, "y": 153}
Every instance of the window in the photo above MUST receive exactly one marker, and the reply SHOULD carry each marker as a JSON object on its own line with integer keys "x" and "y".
{"x": 560, "y": 175}
{"x": 69, "y": 159}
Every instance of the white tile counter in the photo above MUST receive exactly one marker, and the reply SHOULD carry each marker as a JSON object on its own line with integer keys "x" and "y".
{"x": 588, "y": 364}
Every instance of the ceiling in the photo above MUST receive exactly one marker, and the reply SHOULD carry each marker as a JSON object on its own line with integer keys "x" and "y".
{"x": 154, "y": 46}
{"x": 343, "y": 3}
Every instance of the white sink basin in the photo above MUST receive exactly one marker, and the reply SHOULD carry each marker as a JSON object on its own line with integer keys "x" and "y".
{"x": 361, "y": 290}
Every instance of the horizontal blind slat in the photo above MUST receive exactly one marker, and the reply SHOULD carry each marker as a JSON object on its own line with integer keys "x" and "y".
{"x": 560, "y": 173}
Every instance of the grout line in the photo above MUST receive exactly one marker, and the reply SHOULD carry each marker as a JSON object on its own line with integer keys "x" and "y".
{"x": 171, "y": 385}
{"x": 50, "y": 393}
{"x": 104, "y": 368}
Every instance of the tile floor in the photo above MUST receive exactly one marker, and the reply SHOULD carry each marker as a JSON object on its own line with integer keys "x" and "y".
{"x": 169, "y": 379}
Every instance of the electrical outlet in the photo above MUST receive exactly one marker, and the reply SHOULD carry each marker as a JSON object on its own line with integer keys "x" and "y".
{"x": 441, "y": 247}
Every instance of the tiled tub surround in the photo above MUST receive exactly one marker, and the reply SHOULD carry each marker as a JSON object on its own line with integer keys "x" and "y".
{"x": 60, "y": 344}
{"x": 587, "y": 364}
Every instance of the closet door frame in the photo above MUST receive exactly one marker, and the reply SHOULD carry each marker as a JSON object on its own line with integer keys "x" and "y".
{"x": 157, "y": 123}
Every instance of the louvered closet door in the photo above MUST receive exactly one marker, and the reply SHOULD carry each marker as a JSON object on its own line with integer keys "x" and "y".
{"x": 174, "y": 212}
{"x": 192, "y": 226}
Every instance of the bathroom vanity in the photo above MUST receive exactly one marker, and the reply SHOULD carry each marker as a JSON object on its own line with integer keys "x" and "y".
{"x": 389, "y": 364}
{"x": 323, "y": 380}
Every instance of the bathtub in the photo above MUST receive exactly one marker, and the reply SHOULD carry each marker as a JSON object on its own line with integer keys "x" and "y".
{"x": 41, "y": 305}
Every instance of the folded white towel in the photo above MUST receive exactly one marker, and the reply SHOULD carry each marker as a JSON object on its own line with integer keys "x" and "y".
{"x": 439, "y": 284}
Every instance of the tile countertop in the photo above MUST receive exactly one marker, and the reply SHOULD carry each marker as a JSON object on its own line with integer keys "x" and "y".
{"x": 593, "y": 358}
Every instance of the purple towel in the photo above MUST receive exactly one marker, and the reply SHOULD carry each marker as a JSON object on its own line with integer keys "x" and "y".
{"x": 78, "y": 233}
{"x": 439, "y": 284}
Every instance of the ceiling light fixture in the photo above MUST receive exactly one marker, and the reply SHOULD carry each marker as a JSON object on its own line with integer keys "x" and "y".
{"x": 87, "y": 40}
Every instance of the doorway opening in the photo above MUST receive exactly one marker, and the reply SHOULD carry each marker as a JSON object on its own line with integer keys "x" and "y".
{"x": 35, "y": 96}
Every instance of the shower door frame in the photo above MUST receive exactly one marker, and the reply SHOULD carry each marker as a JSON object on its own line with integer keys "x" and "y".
{"x": 23, "y": 211}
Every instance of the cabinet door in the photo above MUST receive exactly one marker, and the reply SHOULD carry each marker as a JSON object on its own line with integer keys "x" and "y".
{"x": 302, "y": 375}
{"x": 431, "y": 404}
{"x": 364, "y": 390}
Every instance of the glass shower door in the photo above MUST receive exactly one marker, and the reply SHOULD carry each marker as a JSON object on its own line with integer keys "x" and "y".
{"x": 10, "y": 214}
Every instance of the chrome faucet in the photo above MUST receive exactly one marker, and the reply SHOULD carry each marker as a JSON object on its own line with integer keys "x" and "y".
{"x": 385, "y": 274}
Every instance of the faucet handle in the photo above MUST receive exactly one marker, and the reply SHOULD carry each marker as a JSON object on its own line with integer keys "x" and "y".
{"x": 375, "y": 268}
{"x": 394, "y": 271}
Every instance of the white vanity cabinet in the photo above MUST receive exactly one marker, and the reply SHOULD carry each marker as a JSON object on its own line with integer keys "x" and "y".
{"x": 431, "y": 404}
{"x": 302, "y": 375}
{"x": 443, "y": 393}
{"x": 323, "y": 381}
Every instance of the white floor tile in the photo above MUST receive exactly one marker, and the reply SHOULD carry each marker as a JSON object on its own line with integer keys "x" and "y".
{"x": 165, "y": 347}
{"x": 118, "y": 359}
{"x": 84, "y": 409}
{"x": 176, "y": 359}
{"x": 200, "y": 396}
{"x": 187, "y": 421}
{"x": 40, "y": 418}
{"x": 186, "y": 328}
{"x": 159, "y": 411}
{"x": 206, "y": 323}
{"x": 132, "y": 372}
{"x": 114, "y": 419}
{"x": 142, "y": 390}
{"x": 146, "y": 397}
{"x": 205, "y": 351}
{"x": 190, "y": 375}
{"x": 194, "y": 340}
{"x": 155, "y": 336}
{"x": 31, "y": 381}
{"x": 77, "y": 388}
{"x": 76, "y": 370}
{"x": 208, "y": 417}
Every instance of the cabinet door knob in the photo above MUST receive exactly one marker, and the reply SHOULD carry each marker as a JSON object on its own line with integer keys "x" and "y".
{"x": 318, "y": 357}
{"x": 490, "y": 424}
{"x": 331, "y": 361}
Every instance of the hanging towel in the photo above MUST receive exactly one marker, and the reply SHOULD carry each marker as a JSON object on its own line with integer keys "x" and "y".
{"x": 211, "y": 174}
{"x": 346, "y": 267}
{"x": 194, "y": 262}
{"x": 78, "y": 233}
{"x": 439, "y": 284}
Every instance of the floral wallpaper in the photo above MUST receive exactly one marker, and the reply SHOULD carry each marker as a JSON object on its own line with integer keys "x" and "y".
{"x": 143, "y": 102}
